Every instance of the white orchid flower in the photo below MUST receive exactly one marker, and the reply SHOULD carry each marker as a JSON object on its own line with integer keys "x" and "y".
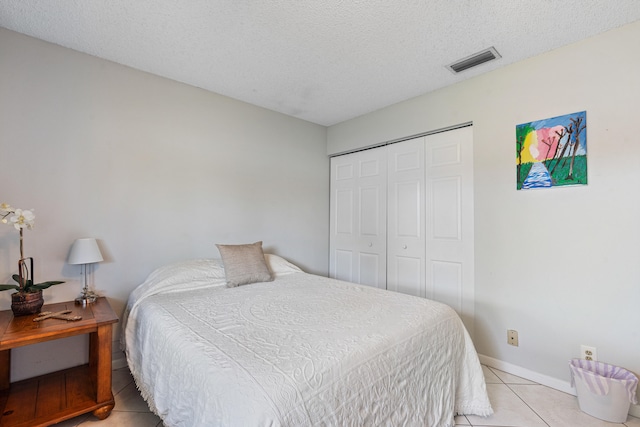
{"x": 23, "y": 218}
{"x": 5, "y": 210}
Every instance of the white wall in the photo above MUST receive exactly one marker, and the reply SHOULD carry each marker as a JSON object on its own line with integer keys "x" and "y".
{"x": 561, "y": 265}
{"x": 158, "y": 171}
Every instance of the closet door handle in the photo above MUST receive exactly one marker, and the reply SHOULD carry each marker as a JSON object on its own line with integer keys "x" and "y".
{"x": 370, "y": 244}
{"x": 404, "y": 247}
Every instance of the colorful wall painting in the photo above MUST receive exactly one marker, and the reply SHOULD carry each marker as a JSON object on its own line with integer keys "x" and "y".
{"x": 552, "y": 152}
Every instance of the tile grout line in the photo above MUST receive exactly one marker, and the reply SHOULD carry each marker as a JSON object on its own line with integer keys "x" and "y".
{"x": 518, "y": 396}
{"x": 525, "y": 402}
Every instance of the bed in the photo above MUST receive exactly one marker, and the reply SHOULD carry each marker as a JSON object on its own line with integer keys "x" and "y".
{"x": 300, "y": 350}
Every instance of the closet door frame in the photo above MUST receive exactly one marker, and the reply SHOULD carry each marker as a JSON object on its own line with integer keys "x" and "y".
{"x": 446, "y": 225}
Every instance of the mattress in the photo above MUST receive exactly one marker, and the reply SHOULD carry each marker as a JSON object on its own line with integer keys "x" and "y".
{"x": 302, "y": 350}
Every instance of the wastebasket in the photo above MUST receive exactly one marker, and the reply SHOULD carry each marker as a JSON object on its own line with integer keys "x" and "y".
{"x": 604, "y": 391}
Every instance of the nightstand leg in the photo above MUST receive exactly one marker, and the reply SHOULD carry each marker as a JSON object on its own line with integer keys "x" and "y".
{"x": 100, "y": 364}
{"x": 103, "y": 412}
{"x": 5, "y": 369}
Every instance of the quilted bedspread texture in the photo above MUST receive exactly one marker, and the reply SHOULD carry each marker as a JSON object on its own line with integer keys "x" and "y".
{"x": 302, "y": 351}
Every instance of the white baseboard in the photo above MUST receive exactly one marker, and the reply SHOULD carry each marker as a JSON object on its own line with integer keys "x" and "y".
{"x": 509, "y": 368}
{"x": 118, "y": 364}
{"x": 545, "y": 380}
{"x": 118, "y": 360}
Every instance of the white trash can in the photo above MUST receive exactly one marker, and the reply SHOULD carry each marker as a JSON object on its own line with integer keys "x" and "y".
{"x": 604, "y": 391}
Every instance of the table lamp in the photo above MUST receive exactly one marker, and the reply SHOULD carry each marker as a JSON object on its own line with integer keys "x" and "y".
{"x": 85, "y": 251}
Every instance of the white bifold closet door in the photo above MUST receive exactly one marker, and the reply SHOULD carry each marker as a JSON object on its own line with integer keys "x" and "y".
{"x": 406, "y": 217}
{"x": 402, "y": 218}
{"x": 449, "y": 216}
{"x": 358, "y": 223}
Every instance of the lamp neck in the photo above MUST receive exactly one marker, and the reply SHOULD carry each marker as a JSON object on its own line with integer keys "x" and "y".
{"x": 84, "y": 276}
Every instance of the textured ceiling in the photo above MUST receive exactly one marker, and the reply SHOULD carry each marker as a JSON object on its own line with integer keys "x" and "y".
{"x": 324, "y": 61}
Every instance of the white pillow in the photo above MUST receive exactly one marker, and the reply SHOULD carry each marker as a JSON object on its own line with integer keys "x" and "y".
{"x": 280, "y": 266}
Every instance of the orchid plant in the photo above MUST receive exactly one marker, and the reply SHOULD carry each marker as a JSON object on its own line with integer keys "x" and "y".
{"x": 21, "y": 219}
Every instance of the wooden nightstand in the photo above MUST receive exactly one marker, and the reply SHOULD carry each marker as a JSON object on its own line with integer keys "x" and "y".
{"x": 65, "y": 394}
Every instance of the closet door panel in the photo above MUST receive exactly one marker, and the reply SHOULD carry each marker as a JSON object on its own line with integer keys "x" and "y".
{"x": 447, "y": 283}
{"x": 343, "y": 265}
{"x": 358, "y": 217}
{"x": 342, "y": 220}
{"x": 344, "y": 213}
{"x": 445, "y": 208}
{"x": 372, "y": 217}
{"x": 408, "y": 209}
{"x": 408, "y": 273}
{"x": 406, "y": 232}
{"x": 449, "y": 248}
{"x": 370, "y": 268}
{"x": 370, "y": 211}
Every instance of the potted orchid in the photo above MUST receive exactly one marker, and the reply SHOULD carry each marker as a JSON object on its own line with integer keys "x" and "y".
{"x": 28, "y": 298}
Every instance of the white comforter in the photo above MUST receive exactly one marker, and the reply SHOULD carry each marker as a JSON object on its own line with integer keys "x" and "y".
{"x": 302, "y": 350}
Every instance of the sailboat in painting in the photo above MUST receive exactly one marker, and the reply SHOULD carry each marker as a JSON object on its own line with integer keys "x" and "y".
{"x": 552, "y": 152}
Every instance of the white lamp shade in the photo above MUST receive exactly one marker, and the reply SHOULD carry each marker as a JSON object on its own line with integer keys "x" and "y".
{"x": 85, "y": 251}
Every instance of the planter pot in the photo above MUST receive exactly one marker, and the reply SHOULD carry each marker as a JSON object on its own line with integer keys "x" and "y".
{"x": 24, "y": 303}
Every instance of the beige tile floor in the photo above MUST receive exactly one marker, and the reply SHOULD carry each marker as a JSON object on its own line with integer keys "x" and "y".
{"x": 516, "y": 402}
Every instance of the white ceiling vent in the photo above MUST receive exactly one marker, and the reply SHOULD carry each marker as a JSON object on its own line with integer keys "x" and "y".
{"x": 474, "y": 60}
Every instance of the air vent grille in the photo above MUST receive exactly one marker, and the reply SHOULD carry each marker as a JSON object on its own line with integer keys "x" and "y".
{"x": 474, "y": 60}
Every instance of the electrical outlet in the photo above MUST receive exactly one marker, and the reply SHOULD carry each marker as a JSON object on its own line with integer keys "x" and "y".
{"x": 588, "y": 353}
{"x": 512, "y": 337}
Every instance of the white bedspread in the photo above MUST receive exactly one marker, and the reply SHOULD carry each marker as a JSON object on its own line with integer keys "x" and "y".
{"x": 300, "y": 351}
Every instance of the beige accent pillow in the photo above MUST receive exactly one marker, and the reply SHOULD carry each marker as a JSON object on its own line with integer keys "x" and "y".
{"x": 244, "y": 264}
